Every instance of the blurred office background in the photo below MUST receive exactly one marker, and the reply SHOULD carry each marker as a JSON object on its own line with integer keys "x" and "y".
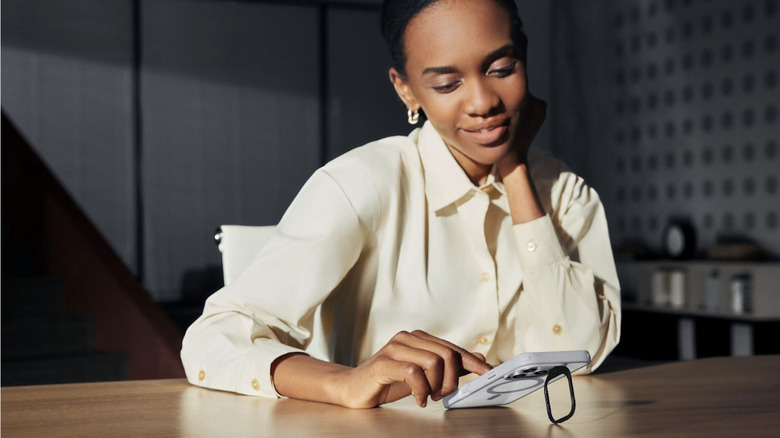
{"x": 164, "y": 119}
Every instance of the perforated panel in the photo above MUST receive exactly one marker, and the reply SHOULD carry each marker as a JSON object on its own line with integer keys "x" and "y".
{"x": 695, "y": 127}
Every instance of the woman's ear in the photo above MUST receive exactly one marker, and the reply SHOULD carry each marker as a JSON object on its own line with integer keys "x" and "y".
{"x": 403, "y": 90}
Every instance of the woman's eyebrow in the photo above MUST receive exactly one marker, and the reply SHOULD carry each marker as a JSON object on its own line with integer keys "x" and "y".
{"x": 438, "y": 70}
{"x": 492, "y": 56}
{"x": 500, "y": 52}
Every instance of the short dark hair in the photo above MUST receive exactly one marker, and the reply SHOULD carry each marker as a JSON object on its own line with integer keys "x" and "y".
{"x": 396, "y": 15}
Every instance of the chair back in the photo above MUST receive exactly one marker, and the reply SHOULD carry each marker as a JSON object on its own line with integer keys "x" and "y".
{"x": 239, "y": 244}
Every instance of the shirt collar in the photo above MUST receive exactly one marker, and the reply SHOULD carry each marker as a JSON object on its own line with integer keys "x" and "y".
{"x": 445, "y": 181}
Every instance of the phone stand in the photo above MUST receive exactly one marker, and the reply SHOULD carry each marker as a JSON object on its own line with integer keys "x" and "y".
{"x": 555, "y": 372}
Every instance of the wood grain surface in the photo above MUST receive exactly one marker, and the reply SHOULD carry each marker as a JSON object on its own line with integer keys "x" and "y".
{"x": 707, "y": 397}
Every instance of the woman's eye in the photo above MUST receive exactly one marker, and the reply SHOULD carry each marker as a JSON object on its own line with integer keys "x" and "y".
{"x": 503, "y": 71}
{"x": 446, "y": 88}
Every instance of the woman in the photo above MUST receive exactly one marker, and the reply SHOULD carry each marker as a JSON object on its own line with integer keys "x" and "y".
{"x": 413, "y": 260}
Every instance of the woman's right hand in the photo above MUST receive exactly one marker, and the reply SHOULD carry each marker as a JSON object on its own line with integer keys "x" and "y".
{"x": 415, "y": 363}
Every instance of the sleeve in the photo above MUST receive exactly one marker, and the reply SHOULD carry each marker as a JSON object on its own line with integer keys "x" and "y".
{"x": 268, "y": 311}
{"x": 569, "y": 273}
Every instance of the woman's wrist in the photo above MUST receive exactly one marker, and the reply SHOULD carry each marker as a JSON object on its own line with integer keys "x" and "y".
{"x": 524, "y": 204}
{"x": 302, "y": 377}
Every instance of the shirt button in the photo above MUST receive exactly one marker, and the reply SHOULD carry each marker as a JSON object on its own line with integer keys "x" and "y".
{"x": 485, "y": 276}
{"x": 255, "y": 385}
{"x": 202, "y": 375}
{"x": 483, "y": 340}
{"x": 557, "y": 329}
{"x": 531, "y": 246}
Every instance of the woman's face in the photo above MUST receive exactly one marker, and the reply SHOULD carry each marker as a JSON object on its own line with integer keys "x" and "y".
{"x": 464, "y": 71}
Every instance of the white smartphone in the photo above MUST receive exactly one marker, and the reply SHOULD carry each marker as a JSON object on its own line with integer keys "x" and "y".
{"x": 515, "y": 378}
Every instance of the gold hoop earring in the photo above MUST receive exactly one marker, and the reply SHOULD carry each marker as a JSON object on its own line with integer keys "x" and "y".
{"x": 413, "y": 116}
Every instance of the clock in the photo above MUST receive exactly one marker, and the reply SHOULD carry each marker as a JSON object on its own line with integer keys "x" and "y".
{"x": 679, "y": 239}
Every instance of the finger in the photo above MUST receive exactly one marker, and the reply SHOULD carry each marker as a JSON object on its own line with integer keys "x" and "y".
{"x": 536, "y": 102}
{"x": 538, "y": 114}
{"x": 535, "y": 112}
{"x": 453, "y": 362}
{"x": 468, "y": 360}
{"x": 437, "y": 362}
{"x": 458, "y": 362}
{"x": 397, "y": 391}
{"x": 481, "y": 357}
{"x": 445, "y": 370}
{"x": 391, "y": 371}
{"x": 476, "y": 363}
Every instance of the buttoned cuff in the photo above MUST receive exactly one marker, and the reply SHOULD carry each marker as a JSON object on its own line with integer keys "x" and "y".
{"x": 257, "y": 379}
{"x": 538, "y": 244}
{"x": 250, "y": 376}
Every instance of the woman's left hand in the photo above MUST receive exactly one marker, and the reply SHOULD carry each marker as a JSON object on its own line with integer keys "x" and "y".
{"x": 531, "y": 120}
{"x": 524, "y": 204}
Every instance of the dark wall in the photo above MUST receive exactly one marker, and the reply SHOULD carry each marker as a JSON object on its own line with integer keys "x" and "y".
{"x": 167, "y": 118}
{"x": 670, "y": 108}
{"x": 67, "y": 75}
{"x": 230, "y": 120}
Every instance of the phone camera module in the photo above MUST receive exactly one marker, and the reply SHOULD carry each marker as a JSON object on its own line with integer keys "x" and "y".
{"x": 517, "y": 375}
{"x": 527, "y": 372}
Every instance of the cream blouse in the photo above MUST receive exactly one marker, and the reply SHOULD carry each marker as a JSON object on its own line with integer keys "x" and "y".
{"x": 394, "y": 236}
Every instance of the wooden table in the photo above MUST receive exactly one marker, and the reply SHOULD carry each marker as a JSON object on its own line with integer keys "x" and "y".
{"x": 707, "y": 397}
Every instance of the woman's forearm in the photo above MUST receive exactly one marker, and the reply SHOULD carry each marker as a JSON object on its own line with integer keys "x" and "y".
{"x": 524, "y": 204}
{"x": 303, "y": 377}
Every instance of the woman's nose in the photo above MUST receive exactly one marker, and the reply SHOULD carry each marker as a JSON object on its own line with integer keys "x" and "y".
{"x": 481, "y": 100}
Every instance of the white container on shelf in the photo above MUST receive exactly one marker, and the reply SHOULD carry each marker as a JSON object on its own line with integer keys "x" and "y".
{"x": 678, "y": 288}
{"x": 660, "y": 291}
{"x": 741, "y": 294}
{"x": 670, "y": 288}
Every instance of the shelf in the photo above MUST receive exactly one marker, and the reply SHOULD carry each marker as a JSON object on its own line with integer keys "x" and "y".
{"x": 747, "y": 318}
{"x": 637, "y": 286}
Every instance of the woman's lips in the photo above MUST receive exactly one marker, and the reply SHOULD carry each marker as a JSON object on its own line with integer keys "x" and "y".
{"x": 487, "y": 135}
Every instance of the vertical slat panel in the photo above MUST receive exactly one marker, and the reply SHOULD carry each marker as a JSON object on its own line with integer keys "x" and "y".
{"x": 362, "y": 104}
{"x": 67, "y": 84}
{"x": 230, "y": 125}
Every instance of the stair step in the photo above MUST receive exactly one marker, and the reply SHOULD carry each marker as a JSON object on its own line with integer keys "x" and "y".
{"x": 18, "y": 259}
{"x": 93, "y": 367}
{"x": 26, "y": 296}
{"x": 41, "y": 336}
